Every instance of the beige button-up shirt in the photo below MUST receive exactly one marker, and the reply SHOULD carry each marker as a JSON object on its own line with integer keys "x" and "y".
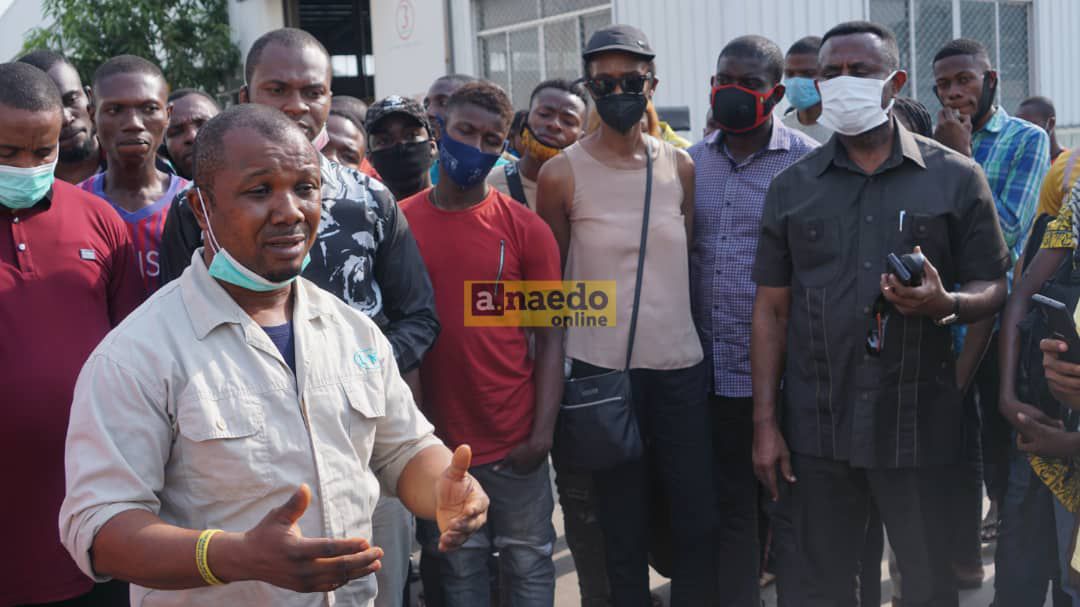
{"x": 188, "y": 410}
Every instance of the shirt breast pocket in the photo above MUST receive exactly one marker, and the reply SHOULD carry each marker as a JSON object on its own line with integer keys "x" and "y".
{"x": 224, "y": 452}
{"x": 931, "y": 233}
{"x": 815, "y": 251}
{"x": 367, "y": 407}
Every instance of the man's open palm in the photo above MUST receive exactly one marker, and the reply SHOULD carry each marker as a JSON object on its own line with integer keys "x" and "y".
{"x": 461, "y": 504}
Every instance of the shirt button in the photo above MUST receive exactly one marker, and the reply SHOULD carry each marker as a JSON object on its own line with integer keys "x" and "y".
{"x": 867, "y": 265}
{"x": 869, "y": 219}
{"x": 866, "y": 310}
{"x": 866, "y": 395}
{"x": 220, "y": 424}
{"x": 723, "y": 238}
{"x": 15, "y": 220}
{"x": 22, "y": 246}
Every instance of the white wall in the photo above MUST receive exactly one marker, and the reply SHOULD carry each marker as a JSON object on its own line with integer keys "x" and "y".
{"x": 20, "y": 17}
{"x": 462, "y": 37}
{"x": 1056, "y": 53}
{"x": 409, "y": 43}
{"x": 689, "y": 34}
{"x": 252, "y": 18}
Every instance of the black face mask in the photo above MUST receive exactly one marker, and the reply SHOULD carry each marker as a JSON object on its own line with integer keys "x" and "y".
{"x": 986, "y": 99}
{"x": 740, "y": 110}
{"x": 621, "y": 111}
{"x": 404, "y": 162}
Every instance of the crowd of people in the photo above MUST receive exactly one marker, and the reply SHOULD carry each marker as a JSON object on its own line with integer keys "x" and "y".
{"x": 240, "y": 370}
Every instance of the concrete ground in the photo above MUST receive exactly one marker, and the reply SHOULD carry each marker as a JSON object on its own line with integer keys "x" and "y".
{"x": 566, "y": 590}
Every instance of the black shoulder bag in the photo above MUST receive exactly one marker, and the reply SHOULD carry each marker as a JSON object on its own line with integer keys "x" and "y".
{"x": 597, "y": 428}
{"x": 513, "y": 182}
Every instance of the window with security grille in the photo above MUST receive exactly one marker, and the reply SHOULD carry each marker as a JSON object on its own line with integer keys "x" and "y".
{"x": 521, "y": 43}
{"x": 922, "y": 27}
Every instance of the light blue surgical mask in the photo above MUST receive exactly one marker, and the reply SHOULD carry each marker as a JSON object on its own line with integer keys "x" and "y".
{"x": 801, "y": 92}
{"x": 22, "y": 188}
{"x": 225, "y": 268}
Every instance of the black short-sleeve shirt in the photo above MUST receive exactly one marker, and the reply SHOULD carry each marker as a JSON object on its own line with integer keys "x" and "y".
{"x": 827, "y": 228}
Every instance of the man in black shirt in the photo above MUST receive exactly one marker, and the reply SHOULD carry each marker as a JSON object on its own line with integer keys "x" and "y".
{"x": 871, "y": 408}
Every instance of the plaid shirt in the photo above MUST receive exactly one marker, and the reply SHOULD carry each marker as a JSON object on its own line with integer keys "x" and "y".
{"x": 728, "y": 198}
{"x": 1015, "y": 155}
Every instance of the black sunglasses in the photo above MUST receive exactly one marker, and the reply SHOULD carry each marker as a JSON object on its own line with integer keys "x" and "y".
{"x": 602, "y": 86}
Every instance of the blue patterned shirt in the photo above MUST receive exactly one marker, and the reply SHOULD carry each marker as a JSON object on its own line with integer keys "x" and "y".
{"x": 1015, "y": 155}
{"x": 728, "y": 198}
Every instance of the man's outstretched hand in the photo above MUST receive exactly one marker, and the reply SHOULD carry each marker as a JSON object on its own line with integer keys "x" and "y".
{"x": 274, "y": 551}
{"x": 461, "y": 504}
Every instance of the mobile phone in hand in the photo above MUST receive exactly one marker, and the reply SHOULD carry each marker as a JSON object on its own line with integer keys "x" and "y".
{"x": 1062, "y": 326}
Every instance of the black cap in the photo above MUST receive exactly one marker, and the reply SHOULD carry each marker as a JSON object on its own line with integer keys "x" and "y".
{"x": 395, "y": 104}
{"x": 626, "y": 38}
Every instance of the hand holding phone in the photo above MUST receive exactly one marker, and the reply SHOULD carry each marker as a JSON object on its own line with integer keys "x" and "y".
{"x": 1062, "y": 326}
{"x": 907, "y": 268}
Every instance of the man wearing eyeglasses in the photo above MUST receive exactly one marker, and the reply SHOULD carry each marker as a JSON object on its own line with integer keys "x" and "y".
{"x": 593, "y": 196}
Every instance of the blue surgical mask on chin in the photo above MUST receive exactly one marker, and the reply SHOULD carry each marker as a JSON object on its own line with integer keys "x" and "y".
{"x": 225, "y": 268}
{"x": 462, "y": 163}
{"x": 801, "y": 92}
{"x": 22, "y": 188}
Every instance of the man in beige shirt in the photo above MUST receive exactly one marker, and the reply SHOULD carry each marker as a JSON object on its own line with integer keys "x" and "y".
{"x": 233, "y": 386}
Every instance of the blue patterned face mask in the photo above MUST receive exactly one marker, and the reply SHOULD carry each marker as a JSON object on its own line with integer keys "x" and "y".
{"x": 801, "y": 92}
{"x": 462, "y": 163}
{"x": 225, "y": 268}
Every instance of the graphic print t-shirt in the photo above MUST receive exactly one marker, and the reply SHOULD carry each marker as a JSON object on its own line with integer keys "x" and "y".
{"x": 145, "y": 225}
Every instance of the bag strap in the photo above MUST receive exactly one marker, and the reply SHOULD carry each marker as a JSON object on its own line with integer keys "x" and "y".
{"x": 513, "y": 182}
{"x": 641, "y": 250}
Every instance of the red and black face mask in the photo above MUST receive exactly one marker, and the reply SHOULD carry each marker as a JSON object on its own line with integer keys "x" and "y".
{"x": 738, "y": 110}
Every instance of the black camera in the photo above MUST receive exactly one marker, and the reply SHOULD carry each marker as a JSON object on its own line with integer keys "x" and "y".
{"x": 907, "y": 268}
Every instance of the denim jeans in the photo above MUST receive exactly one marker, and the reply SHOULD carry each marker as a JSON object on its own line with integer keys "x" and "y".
{"x": 1065, "y": 525}
{"x": 519, "y": 528}
{"x": 673, "y": 416}
{"x": 1026, "y": 557}
{"x": 392, "y": 530}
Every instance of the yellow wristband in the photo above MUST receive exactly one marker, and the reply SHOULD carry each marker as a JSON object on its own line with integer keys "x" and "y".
{"x": 201, "y": 547}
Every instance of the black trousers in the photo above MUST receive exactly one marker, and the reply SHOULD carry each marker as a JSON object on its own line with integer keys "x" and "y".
{"x": 738, "y": 550}
{"x": 672, "y": 414}
{"x": 832, "y": 513}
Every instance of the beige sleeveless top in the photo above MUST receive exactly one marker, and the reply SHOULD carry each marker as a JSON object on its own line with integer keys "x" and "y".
{"x": 605, "y": 236}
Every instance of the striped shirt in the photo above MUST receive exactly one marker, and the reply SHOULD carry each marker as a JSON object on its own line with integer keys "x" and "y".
{"x": 728, "y": 198}
{"x": 1015, "y": 155}
{"x": 145, "y": 226}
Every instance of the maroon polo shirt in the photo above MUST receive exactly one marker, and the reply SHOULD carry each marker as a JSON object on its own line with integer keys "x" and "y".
{"x": 67, "y": 277}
